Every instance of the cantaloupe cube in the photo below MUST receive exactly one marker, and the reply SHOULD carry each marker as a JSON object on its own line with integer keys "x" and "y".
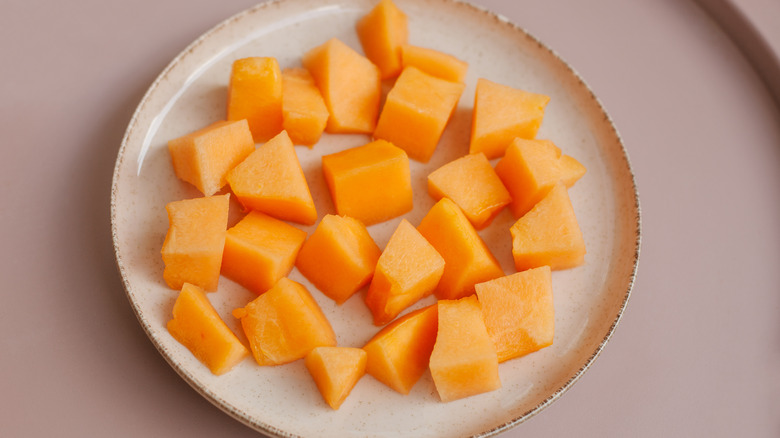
{"x": 255, "y": 94}
{"x": 304, "y": 112}
{"x": 530, "y": 168}
{"x": 284, "y": 324}
{"x": 382, "y": 32}
{"x": 416, "y": 112}
{"x": 473, "y": 185}
{"x": 548, "y": 234}
{"x": 408, "y": 270}
{"x": 371, "y": 183}
{"x": 203, "y": 158}
{"x": 198, "y": 326}
{"x": 192, "y": 250}
{"x": 350, "y": 85}
{"x": 260, "y": 250}
{"x": 518, "y": 312}
{"x": 502, "y": 113}
{"x": 398, "y": 354}
{"x": 468, "y": 260}
{"x": 463, "y": 361}
{"x": 434, "y": 62}
{"x": 336, "y": 370}
{"x": 271, "y": 180}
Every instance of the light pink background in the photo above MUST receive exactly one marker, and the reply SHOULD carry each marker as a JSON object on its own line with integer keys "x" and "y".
{"x": 696, "y": 353}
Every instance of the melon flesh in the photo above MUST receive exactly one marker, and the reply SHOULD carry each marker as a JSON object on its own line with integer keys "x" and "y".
{"x": 305, "y": 113}
{"x": 255, "y": 94}
{"x": 434, "y": 62}
{"x": 335, "y": 371}
{"x": 382, "y": 32}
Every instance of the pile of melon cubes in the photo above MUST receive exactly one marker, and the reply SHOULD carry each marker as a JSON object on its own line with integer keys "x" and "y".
{"x": 482, "y": 317}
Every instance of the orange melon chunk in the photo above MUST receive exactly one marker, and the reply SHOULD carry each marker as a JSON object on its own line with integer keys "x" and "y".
{"x": 339, "y": 257}
{"x": 531, "y": 168}
{"x": 350, "y": 85}
{"x": 408, "y": 270}
{"x": 502, "y": 113}
{"x": 382, "y": 32}
{"x": 260, "y": 250}
{"x": 192, "y": 250}
{"x": 198, "y": 326}
{"x": 371, "y": 183}
{"x": 284, "y": 324}
{"x": 336, "y": 370}
{"x": 304, "y": 112}
{"x": 463, "y": 361}
{"x": 548, "y": 234}
{"x": 255, "y": 94}
{"x": 203, "y": 158}
{"x": 416, "y": 112}
{"x": 434, "y": 62}
{"x": 468, "y": 260}
{"x": 271, "y": 180}
{"x": 518, "y": 312}
{"x": 398, "y": 354}
{"x": 473, "y": 185}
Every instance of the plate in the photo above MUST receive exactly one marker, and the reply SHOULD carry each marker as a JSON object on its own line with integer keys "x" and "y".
{"x": 283, "y": 401}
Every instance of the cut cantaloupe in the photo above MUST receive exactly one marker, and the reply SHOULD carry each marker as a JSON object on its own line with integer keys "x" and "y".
{"x": 408, "y": 270}
{"x": 548, "y": 234}
{"x": 416, "y": 111}
{"x": 260, "y": 250}
{"x": 304, "y": 112}
{"x": 336, "y": 370}
{"x": 350, "y": 85}
{"x": 203, "y": 158}
{"x": 271, "y": 180}
{"x": 255, "y": 94}
{"x": 464, "y": 361}
{"x": 198, "y": 326}
{"x": 371, "y": 183}
{"x": 473, "y": 185}
{"x": 339, "y": 257}
{"x": 382, "y": 32}
{"x": 398, "y": 355}
{"x": 502, "y": 113}
{"x": 434, "y": 62}
{"x": 284, "y": 324}
{"x": 530, "y": 168}
{"x": 192, "y": 250}
{"x": 468, "y": 260}
{"x": 518, "y": 312}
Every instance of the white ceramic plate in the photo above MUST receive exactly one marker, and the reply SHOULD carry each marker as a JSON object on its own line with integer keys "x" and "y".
{"x": 283, "y": 401}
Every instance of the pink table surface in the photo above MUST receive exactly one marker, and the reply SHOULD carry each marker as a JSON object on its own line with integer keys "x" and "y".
{"x": 696, "y": 353}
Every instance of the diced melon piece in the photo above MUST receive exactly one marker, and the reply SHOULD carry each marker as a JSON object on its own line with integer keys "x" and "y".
{"x": 434, "y": 62}
{"x": 304, "y": 111}
{"x": 339, "y": 257}
{"x": 473, "y": 185}
{"x": 336, "y": 370}
{"x": 371, "y": 183}
{"x": 350, "y": 85}
{"x": 260, "y": 250}
{"x": 416, "y": 112}
{"x": 518, "y": 312}
{"x": 255, "y": 94}
{"x": 408, "y": 270}
{"x": 468, "y": 260}
{"x": 284, "y": 324}
{"x": 398, "y": 354}
{"x": 192, "y": 250}
{"x": 463, "y": 361}
{"x": 271, "y": 180}
{"x": 531, "y": 168}
{"x": 382, "y": 32}
{"x": 502, "y": 113}
{"x": 198, "y": 326}
{"x": 203, "y": 158}
{"x": 548, "y": 234}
